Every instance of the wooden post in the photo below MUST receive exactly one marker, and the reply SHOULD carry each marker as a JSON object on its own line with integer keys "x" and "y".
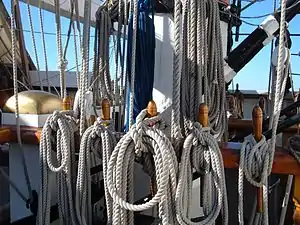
{"x": 296, "y": 200}
{"x": 152, "y": 111}
{"x": 66, "y": 104}
{"x": 203, "y": 120}
{"x": 203, "y": 115}
{"x": 105, "y": 106}
{"x": 257, "y": 119}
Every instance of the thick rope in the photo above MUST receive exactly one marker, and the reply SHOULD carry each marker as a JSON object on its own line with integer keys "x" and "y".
{"x": 34, "y": 44}
{"x": 140, "y": 140}
{"x": 58, "y": 135}
{"x": 100, "y": 140}
{"x": 61, "y": 61}
{"x": 44, "y": 46}
{"x": 203, "y": 149}
{"x": 16, "y": 88}
{"x": 256, "y": 165}
{"x": 85, "y": 64}
{"x": 256, "y": 159}
{"x": 134, "y": 4}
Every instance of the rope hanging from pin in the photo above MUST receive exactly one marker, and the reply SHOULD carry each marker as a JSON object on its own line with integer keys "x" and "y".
{"x": 141, "y": 82}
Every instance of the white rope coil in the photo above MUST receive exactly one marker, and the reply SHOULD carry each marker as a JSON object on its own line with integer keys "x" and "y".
{"x": 256, "y": 164}
{"x": 142, "y": 138}
{"x": 58, "y": 135}
{"x": 99, "y": 139}
{"x": 203, "y": 149}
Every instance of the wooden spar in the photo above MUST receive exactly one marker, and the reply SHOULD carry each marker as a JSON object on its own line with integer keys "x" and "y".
{"x": 257, "y": 118}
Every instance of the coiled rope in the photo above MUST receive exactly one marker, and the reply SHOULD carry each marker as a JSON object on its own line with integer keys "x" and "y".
{"x": 256, "y": 159}
{"x": 256, "y": 165}
{"x": 198, "y": 48}
{"x": 58, "y": 135}
{"x": 140, "y": 140}
{"x": 203, "y": 149}
{"x": 99, "y": 139}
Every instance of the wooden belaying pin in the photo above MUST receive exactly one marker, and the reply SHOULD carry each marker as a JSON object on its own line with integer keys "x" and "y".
{"x": 203, "y": 120}
{"x": 257, "y": 119}
{"x": 203, "y": 115}
{"x": 152, "y": 109}
{"x": 151, "y": 112}
{"x": 66, "y": 103}
{"x": 105, "y": 106}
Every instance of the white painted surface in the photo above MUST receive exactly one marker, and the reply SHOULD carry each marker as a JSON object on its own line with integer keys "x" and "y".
{"x": 31, "y": 120}
{"x": 18, "y": 208}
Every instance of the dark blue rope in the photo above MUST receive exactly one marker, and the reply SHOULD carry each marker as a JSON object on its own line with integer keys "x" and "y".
{"x": 145, "y": 56}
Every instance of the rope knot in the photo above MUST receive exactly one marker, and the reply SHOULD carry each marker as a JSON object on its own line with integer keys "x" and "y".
{"x": 137, "y": 132}
{"x": 199, "y": 131}
{"x": 62, "y": 64}
{"x": 258, "y": 160}
{"x": 53, "y": 120}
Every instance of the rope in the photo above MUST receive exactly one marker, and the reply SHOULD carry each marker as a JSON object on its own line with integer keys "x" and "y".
{"x": 142, "y": 139}
{"x": 100, "y": 140}
{"x": 44, "y": 46}
{"x": 61, "y": 61}
{"x": 256, "y": 159}
{"x": 144, "y": 56}
{"x": 203, "y": 149}
{"x": 34, "y": 44}
{"x": 15, "y": 85}
{"x": 134, "y": 5}
{"x": 198, "y": 48}
{"x": 85, "y": 64}
{"x": 58, "y": 135}
{"x": 256, "y": 164}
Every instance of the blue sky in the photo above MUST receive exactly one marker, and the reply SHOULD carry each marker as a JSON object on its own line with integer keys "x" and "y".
{"x": 254, "y": 75}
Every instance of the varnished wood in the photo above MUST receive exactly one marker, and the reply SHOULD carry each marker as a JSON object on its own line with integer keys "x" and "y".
{"x": 296, "y": 200}
{"x": 203, "y": 115}
{"x": 5, "y": 135}
{"x": 283, "y": 162}
{"x": 257, "y": 118}
{"x": 152, "y": 109}
{"x": 105, "y": 109}
{"x": 66, "y": 103}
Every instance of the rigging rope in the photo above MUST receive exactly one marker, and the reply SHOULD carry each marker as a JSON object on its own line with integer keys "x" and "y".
{"x": 197, "y": 74}
{"x": 85, "y": 65}
{"x": 256, "y": 158}
{"x": 44, "y": 46}
{"x": 142, "y": 139}
{"x": 58, "y": 135}
{"x": 100, "y": 140}
{"x": 141, "y": 57}
{"x": 61, "y": 61}
{"x": 34, "y": 45}
{"x": 15, "y": 84}
{"x": 203, "y": 149}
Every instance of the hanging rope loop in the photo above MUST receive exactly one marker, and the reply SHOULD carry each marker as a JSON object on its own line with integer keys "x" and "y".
{"x": 201, "y": 152}
{"x": 256, "y": 156}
